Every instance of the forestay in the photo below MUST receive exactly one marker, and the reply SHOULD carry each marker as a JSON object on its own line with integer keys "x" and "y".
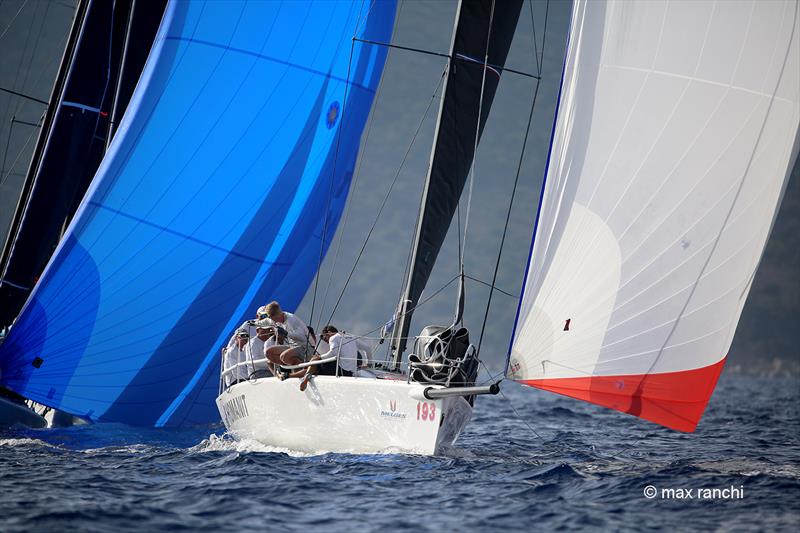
{"x": 676, "y": 130}
{"x": 211, "y": 199}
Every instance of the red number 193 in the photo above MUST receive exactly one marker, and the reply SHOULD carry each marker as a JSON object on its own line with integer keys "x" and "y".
{"x": 426, "y": 411}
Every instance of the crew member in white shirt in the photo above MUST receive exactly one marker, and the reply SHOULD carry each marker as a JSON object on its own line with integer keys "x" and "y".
{"x": 344, "y": 347}
{"x": 236, "y": 353}
{"x": 258, "y": 366}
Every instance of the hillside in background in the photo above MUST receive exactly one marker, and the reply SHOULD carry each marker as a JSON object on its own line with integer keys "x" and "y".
{"x": 767, "y": 340}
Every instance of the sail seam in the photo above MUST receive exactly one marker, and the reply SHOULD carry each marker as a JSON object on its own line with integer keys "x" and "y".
{"x": 267, "y": 58}
{"x": 166, "y": 229}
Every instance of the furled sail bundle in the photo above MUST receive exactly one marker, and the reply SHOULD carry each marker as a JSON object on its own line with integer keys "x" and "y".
{"x": 233, "y": 158}
{"x": 676, "y": 131}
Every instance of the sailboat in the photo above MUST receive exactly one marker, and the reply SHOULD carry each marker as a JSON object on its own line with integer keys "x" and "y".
{"x": 675, "y": 131}
{"x": 669, "y": 158}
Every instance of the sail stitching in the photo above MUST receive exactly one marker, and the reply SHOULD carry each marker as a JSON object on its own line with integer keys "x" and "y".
{"x": 553, "y": 293}
{"x": 184, "y": 236}
{"x": 644, "y": 240}
{"x": 727, "y": 218}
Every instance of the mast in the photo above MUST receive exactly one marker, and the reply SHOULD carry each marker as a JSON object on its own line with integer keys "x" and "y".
{"x": 454, "y": 140}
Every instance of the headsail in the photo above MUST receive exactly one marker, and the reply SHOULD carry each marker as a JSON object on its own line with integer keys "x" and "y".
{"x": 212, "y": 198}
{"x": 675, "y": 135}
{"x": 454, "y": 144}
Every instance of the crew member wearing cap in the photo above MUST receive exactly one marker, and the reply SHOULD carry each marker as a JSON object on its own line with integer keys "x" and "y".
{"x": 259, "y": 367}
{"x": 234, "y": 354}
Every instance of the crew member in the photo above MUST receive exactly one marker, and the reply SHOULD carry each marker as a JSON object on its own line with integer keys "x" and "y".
{"x": 259, "y": 366}
{"x": 301, "y": 338}
{"x": 343, "y": 347}
{"x": 234, "y": 354}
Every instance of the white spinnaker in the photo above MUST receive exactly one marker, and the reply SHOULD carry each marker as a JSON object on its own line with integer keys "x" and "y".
{"x": 677, "y": 129}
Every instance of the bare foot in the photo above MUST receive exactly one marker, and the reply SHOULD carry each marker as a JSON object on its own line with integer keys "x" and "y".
{"x": 304, "y": 383}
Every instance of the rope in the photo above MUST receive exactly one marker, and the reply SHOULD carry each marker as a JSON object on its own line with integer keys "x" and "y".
{"x": 491, "y": 286}
{"x": 5, "y": 30}
{"x": 521, "y": 419}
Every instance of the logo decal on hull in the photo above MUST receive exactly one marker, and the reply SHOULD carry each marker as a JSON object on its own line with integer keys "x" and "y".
{"x": 392, "y": 412}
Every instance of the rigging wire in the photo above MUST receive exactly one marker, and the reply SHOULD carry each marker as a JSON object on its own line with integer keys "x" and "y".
{"x": 561, "y": 447}
{"x": 11, "y": 22}
{"x": 442, "y": 54}
{"x": 477, "y": 134}
{"x": 333, "y": 174}
{"x": 386, "y": 196}
{"x": 508, "y": 218}
{"x": 15, "y": 84}
{"x": 19, "y": 154}
{"x": 516, "y": 178}
{"x": 36, "y": 44}
{"x": 356, "y": 178}
{"x": 486, "y": 283}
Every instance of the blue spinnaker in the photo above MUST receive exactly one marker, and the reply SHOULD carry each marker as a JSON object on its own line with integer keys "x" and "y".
{"x": 210, "y": 202}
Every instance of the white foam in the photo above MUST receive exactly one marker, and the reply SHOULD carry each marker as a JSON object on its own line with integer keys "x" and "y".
{"x": 13, "y": 443}
{"x": 227, "y": 443}
{"x": 131, "y": 448}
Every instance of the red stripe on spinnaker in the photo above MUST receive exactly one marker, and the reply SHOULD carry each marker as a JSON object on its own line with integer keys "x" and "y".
{"x": 672, "y": 399}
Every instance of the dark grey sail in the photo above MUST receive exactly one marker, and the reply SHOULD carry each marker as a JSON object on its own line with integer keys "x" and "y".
{"x": 72, "y": 140}
{"x": 144, "y": 18}
{"x": 454, "y": 142}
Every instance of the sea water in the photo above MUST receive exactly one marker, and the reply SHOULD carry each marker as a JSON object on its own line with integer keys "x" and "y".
{"x": 528, "y": 460}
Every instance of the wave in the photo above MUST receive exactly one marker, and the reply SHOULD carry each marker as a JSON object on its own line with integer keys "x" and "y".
{"x": 228, "y": 443}
{"x": 18, "y": 443}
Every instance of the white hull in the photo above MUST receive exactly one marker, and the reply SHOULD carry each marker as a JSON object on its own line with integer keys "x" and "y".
{"x": 343, "y": 414}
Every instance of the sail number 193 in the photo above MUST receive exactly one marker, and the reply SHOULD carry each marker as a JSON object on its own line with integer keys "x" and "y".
{"x": 426, "y": 411}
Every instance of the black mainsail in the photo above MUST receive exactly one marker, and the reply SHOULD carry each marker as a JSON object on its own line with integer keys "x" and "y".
{"x": 73, "y": 137}
{"x": 483, "y": 33}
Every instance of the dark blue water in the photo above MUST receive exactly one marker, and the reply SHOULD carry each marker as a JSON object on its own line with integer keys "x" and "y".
{"x": 588, "y": 469}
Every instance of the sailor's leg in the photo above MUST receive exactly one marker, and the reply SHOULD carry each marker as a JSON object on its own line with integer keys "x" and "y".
{"x": 273, "y": 353}
{"x": 310, "y": 372}
{"x": 292, "y": 356}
